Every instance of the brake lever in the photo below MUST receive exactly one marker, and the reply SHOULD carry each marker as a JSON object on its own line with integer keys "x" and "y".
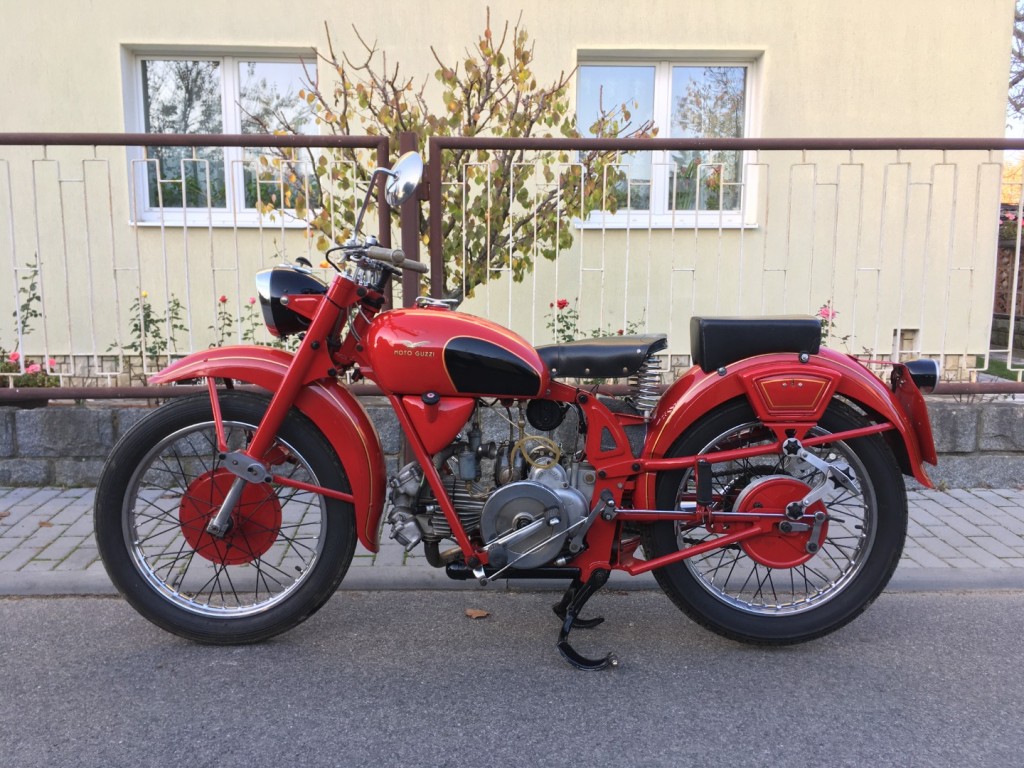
{"x": 329, "y": 260}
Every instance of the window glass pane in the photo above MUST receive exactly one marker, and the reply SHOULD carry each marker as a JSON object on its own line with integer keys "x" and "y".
{"x": 707, "y": 102}
{"x": 270, "y": 97}
{"x": 269, "y": 102}
{"x": 184, "y": 96}
{"x": 604, "y": 89}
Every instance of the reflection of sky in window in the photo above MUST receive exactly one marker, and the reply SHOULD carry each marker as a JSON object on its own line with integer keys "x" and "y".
{"x": 610, "y": 87}
{"x": 269, "y": 87}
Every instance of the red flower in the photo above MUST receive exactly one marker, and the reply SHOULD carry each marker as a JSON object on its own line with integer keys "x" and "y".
{"x": 223, "y": 299}
{"x": 252, "y": 299}
{"x": 14, "y": 357}
{"x": 619, "y": 331}
{"x": 563, "y": 303}
{"x": 52, "y": 362}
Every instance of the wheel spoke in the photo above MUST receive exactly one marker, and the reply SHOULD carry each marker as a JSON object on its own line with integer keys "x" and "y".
{"x": 275, "y": 537}
{"x": 743, "y": 579}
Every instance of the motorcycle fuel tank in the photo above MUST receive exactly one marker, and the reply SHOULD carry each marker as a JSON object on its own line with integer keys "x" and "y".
{"x": 415, "y": 351}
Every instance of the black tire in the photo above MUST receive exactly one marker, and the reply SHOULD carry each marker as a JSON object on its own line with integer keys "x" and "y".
{"x": 741, "y": 598}
{"x": 285, "y": 555}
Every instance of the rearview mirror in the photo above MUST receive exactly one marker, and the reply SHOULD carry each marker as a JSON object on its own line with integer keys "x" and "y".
{"x": 405, "y": 177}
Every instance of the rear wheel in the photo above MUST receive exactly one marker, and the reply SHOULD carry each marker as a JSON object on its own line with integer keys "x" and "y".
{"x": 284, "y": 554}
{"x": 771, "y": 589}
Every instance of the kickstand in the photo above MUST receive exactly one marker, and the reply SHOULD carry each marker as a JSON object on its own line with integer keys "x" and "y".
{"x": 568, "y": 609}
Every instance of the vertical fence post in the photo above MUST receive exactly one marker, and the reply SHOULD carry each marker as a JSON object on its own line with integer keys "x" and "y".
{"x": 434, "y": 188}
{"x": 383, "y": 209}
{"x": 410, "y": 221}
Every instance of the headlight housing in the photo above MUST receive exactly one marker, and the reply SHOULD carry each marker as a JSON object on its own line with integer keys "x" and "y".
{"x": 285, "y": 280}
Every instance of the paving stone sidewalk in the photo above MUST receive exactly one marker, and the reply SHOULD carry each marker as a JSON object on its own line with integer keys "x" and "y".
{"x": 957, "y": 539}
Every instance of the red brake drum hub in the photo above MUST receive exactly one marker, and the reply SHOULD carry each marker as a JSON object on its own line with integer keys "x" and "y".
{"x": 777, "y": 549}
{"x": 255, "y": 522}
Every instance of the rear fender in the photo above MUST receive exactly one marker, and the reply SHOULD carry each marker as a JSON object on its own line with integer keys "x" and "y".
{"x": 780, "y": 389}
{"x": 337, "y": 413}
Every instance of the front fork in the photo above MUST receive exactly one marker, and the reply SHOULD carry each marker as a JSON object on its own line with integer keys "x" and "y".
{"x": 246, "y": 470}
{"x": 248, "y": 465}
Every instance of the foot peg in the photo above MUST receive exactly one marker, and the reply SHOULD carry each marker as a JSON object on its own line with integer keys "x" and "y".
{"x": 568, "y": 609}
{"x": 577, "y": 623}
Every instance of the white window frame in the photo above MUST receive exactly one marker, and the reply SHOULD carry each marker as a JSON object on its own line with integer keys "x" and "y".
{"x": 235, "y": 213}
{"x": 660, "y": 216}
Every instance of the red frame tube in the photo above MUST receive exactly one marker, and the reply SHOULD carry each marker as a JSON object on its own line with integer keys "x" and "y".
{"x": 289, "y": 483}
{"x": 635, "y": 567}
{"x": 218, "y": 421}
{"x": 685, "y": 462}
{"x": 607, "y": 446}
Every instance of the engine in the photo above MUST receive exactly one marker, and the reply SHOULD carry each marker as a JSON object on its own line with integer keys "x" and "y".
{"x": 521, "y": 497}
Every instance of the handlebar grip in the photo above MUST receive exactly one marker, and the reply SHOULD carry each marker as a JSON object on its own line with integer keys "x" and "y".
{"x": 390, "y": 255}
{"x": 396, "y": 256}
{"x": 415, "y": 266}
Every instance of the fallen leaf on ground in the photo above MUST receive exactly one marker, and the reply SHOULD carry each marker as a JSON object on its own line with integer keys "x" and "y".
{"x": 476, "y": 613}
{"x": 45, "y": 524}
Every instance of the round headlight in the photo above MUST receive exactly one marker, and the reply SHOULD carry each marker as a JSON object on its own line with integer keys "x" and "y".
{"x": 272, "y": 284}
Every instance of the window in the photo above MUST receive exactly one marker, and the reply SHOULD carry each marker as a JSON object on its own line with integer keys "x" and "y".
{"x": 682, "y": 100}
{"x": 245, "y": 94}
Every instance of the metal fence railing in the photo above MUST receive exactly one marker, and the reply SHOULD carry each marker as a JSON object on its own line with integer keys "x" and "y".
{"x": 120, "y": 251}
{"x": 892, "y": 242}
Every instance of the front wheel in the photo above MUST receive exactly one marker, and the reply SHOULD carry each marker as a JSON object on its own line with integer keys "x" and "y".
{"x": 285, "y": 551}
{"x": 771, "y": 589}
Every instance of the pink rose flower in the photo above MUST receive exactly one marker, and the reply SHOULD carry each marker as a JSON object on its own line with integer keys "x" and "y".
{"x": 827, "y": 313}
{"x": 252, "y": 299}
{"x": 34, "y": 368}
{"x": 51, "y": 362}
{"x": 14, "y": 357}
{"x": 563, "y": 303}
{"x": 223, "y": 299}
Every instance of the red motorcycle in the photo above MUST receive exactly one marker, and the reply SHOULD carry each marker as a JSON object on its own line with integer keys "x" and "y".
{"x": 764, "y": 488}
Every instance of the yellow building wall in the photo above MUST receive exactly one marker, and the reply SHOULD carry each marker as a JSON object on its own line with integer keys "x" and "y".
{"x": 823, "y": 69}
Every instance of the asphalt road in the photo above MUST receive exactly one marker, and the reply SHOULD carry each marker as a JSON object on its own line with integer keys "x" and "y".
{"x": 405, "y": 678}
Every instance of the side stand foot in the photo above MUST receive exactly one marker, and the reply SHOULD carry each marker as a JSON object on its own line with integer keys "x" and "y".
{"x": 568, "y": 609}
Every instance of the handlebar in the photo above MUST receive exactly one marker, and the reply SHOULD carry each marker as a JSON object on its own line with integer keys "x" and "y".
{"x": 395, "y": 256}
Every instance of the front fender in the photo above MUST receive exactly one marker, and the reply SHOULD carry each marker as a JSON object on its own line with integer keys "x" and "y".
{"x": 765, "y": 381}
{"x": 337, "y": 413}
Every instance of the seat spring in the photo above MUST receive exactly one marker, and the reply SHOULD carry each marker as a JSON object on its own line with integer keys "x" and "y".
{"x": 645, "y": 385}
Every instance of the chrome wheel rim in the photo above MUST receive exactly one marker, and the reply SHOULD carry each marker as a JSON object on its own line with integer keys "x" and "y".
{"x": 731, "y": 576}
{"x": 213, "y": 584}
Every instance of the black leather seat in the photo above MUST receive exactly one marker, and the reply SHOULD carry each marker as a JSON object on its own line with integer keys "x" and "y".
{"x": 606, "y": 358}
{"x": 716, "y": 342}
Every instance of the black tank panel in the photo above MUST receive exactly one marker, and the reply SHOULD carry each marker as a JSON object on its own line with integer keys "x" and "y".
{"x": 478, "y": 367}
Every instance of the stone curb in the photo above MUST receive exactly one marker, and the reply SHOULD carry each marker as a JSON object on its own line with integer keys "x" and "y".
{"x": 386, "y": 578}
